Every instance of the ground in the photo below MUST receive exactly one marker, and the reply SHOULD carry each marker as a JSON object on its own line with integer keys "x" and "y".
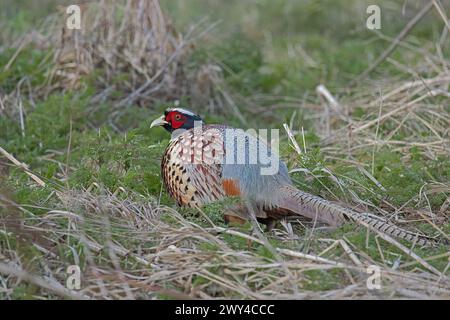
{"x": 75, "y": 109}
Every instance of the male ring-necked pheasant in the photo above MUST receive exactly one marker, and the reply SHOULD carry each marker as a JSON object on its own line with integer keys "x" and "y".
{"x": 196, "y": 170}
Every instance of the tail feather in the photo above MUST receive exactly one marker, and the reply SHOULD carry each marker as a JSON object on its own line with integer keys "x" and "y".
{"x": 310, "y": 206}
{"x": 324, "y": 211}
{"x": 377, "y": 223}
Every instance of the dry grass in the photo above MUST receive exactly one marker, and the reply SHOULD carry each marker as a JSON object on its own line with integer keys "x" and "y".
{"x": 137, "y": 249}
{"x": 124, "y": 38}
{"x": 411, "y": 106}
{"x": 129, "y": 49}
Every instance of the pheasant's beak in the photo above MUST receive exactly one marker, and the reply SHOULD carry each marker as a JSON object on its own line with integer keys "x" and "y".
{"x": 159, "y": 122}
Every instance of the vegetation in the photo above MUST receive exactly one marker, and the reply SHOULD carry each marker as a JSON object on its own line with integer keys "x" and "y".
{"x": 75, "y": 110}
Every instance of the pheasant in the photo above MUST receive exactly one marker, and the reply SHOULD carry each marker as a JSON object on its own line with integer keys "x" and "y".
{"x": 197, "y": 169}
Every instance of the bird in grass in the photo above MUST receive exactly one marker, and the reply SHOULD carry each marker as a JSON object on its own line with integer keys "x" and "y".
{"x": 200, "y": 165}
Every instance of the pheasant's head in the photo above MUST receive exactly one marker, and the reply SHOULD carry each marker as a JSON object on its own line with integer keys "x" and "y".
{"x": 177, "y": 118}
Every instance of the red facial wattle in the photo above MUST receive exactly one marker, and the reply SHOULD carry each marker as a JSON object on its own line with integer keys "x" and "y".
{"x": 175, "y": 119}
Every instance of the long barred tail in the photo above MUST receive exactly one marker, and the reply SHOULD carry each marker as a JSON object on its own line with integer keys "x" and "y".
{"x": 374, "y": 222}
{"x": 314, "y": 207}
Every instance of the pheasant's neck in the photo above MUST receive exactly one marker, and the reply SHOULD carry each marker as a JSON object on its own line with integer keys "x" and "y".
{"x": 176, "y": 133}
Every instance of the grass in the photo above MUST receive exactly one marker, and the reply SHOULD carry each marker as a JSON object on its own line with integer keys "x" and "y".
{"x": 103, "y": 206}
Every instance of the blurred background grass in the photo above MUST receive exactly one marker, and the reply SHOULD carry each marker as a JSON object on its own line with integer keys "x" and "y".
{"x": 282, "y": 46}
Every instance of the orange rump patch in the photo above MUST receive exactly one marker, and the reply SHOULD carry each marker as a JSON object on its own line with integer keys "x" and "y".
{"x": 231, "y": 187}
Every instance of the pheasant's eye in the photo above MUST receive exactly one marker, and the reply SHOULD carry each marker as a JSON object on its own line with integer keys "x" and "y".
{"x": 177, "y": 117}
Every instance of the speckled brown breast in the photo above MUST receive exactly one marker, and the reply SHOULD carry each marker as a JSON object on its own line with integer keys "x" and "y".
{"x": 191, "y": 167}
